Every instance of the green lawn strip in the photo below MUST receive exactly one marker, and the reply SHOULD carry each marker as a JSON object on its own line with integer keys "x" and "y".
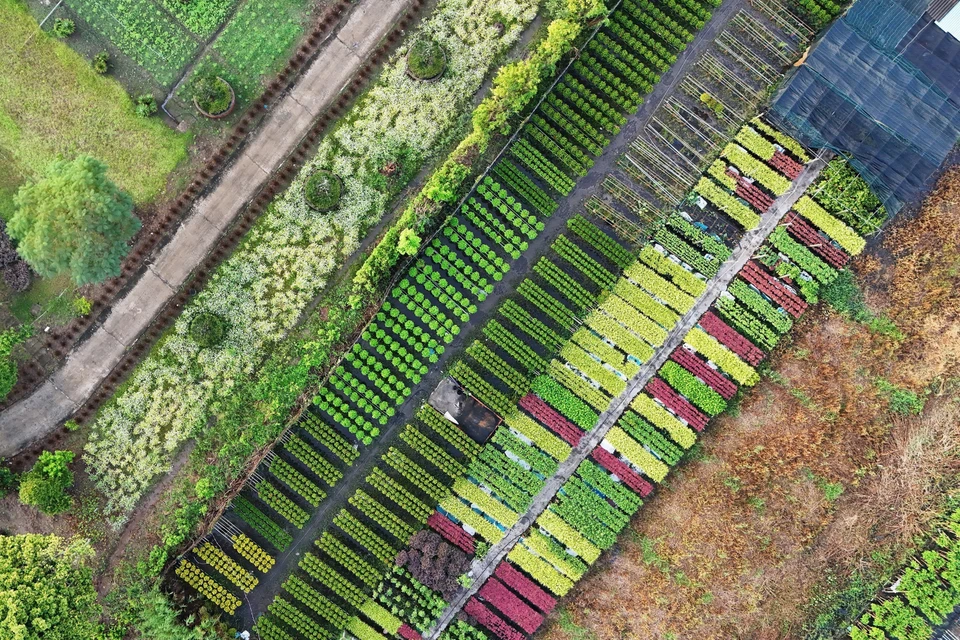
{"x": 53, "y": 104}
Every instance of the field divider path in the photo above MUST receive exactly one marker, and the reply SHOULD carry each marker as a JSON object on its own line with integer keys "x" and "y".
{"x": 91, "y": 362}
{"x": 744, "y": 250}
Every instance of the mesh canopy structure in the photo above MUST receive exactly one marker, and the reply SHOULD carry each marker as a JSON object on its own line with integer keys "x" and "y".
{"x": 882, "y": 86}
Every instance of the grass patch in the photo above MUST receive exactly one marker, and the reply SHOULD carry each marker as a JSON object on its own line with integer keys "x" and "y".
{"x": 52, "y": 103}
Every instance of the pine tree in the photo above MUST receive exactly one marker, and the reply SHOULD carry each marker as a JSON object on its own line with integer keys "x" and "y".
{"x": 74, "y": 220}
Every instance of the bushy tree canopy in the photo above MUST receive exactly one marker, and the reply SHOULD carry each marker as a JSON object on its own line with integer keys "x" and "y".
{"x": 46, "y": 590}
{"x": 76, "y": 220}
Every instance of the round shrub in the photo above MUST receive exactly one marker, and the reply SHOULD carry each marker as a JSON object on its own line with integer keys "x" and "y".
{"x": 426, "y": 60}
{"x": 323, "y": 190}
{"x": 207, "y": 329}
{"x": 63, "y": 27}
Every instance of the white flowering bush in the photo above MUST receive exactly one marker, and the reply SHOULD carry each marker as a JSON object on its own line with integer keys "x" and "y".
{"x": 287, "y": 259}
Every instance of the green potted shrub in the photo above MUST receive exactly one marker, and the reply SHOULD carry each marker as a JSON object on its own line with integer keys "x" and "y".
{"x": 213, "y": 97}
{"x": 63, "y": 27}
{"x": 323, "y": 190}
{"x": 426, "y": 60}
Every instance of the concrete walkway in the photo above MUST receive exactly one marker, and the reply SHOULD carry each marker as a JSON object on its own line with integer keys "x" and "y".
{"x": 91, "y": 362}
{"x": 748, "y": 245}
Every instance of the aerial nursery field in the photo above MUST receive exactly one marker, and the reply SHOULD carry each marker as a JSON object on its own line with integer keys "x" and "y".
{"x": 594, "y": 308}
{"x": 52, "y": 103}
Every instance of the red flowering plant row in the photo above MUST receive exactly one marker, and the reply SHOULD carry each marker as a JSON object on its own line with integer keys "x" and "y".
{"x": 510, "y": 605}
{"x": 551, "y": 419}
{"x": 754, "y": 195}
{"x": 713, "y": 378}
{"x": 619, "y": 468}
{"x": 526, "y": 587}
{"x": 804, "y": 232}
{"x": 676, "y": 403}
{"x": 773, "y": 288}
{"x": 453, "y": 533}
{"x": 408, "y": 632}
{"x": 491, "y": 621}
{"x": 785, "y": 165}
{"x": 731, "y": 338}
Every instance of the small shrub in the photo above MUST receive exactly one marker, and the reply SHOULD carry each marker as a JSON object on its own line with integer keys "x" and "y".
{"x": 426, "y": 59}
{"x": 207, "y": 329}
{"x": 323, "y": 190}
{"x": 71, "y": 425}
{"x": 145, "y": 105}
{"x": 45, "y": 485}
{"x": 82, "y": 306}
{"x": 63, "y": 27}
{"x": 101, "y": 62}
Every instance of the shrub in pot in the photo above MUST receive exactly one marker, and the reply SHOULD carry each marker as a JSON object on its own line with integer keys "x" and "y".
{"x": 213, "y": 96}
{"x": 323, "y": 190}
{"x": 426, "y": 60}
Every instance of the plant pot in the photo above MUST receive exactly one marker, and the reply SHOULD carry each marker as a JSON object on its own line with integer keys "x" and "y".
{"x": 223, "y": 114}
{"x": 331, "y": 197}
{"x": 412, "y": 74}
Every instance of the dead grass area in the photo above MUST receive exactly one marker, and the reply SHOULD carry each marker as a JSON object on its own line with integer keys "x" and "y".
{"x": 815, "y": 478}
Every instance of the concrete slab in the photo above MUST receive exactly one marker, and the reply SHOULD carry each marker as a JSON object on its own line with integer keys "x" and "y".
{"x": 136, "y": 310}
{"x": 192, "y": 241}
{"x": 236, "y": 187}
{"x": 325, "y": 77}
{"x": 31, "y": 418}
{"x": 283, "y": 129}
{"x": 369, "y": 23}
{"x": 88, "y": 366}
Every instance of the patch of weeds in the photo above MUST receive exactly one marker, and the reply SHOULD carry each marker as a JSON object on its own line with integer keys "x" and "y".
{"x": 840, "y": 599}
{"x": 733, "y": 483}
{"x": 90, "y": 522}
{"x": 696, "y": 453}
{"x": 758, "y": 503}
{"x": 571, "y": 628}
{"x": 801, "y": 354}
{"x": 831, "y": 490}
{"x": 650, "y": 556}
{"x": 901, "y": 401}
{"x": 845, "y": 296}
{"x": 706, "y": 598}
{"x": 803, "y": 398}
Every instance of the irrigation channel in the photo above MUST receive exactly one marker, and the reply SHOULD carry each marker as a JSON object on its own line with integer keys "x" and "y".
{"x": 748, "y": 245}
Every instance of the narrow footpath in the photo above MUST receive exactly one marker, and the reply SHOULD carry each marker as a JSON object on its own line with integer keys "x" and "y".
{"x": 748, "y": 245}
{"x": 92, "y": 361}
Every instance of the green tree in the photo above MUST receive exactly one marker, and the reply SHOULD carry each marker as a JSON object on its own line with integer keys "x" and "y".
{"x": 45, "y": 485}
{"x": 46, "y": 590}
{"x": 75, "y": 219}
{"x": 8, "y": 368}
{"x": 409, "y": 242}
